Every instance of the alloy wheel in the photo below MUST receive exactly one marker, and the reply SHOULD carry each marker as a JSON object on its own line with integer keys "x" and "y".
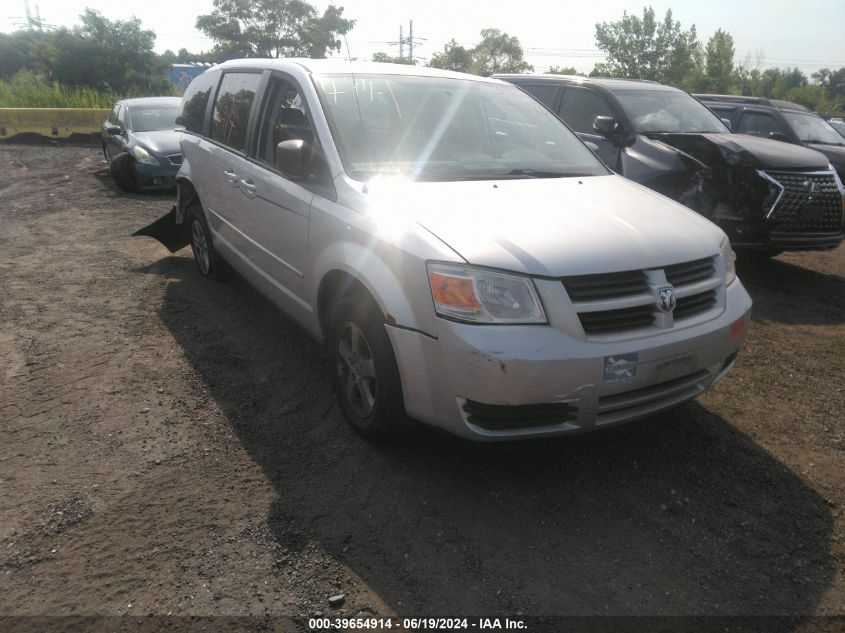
{"x": 356, "y": 369}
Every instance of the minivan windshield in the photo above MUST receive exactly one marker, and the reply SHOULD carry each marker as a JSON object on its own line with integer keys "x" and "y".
{"x": 653, "y": 111}
{"x": 152, "y": 118}
{"x": 813, "y": 129}
{"x": 433, "y": 128}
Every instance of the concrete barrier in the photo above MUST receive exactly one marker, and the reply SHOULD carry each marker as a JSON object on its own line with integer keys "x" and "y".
{"x": 51, "y": 122}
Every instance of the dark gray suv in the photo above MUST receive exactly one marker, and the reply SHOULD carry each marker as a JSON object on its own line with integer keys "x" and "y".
{"x": 767, "y": 195}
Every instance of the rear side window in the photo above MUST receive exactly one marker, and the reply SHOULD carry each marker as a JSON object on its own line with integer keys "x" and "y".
{"x": 581, "y": 106}
{"x": 758, "y": 123}
{"x": 231, "y": 110}
{"x": 544, "y": 93}
{"x": 195, "y": 101}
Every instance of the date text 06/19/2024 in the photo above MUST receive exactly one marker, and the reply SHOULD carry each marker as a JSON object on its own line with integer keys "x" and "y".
{"x": 413, "y": 624}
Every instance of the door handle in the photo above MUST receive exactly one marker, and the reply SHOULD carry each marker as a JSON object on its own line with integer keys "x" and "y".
{"x": 232, "y": 177}
{"x": 249, "y": 188}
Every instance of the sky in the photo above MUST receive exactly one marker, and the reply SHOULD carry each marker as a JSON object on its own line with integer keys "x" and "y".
{"x": 808, "y": 34}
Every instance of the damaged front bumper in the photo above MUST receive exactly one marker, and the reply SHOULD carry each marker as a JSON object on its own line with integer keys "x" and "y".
{"x": 170, "y": 229}
{"x": 512, "y": 382}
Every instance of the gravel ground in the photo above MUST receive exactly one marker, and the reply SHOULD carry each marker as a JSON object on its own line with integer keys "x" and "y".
{"x": 170, "y": 445}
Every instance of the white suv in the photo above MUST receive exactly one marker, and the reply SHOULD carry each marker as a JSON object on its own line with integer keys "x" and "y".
{"x": 468, "y": 260}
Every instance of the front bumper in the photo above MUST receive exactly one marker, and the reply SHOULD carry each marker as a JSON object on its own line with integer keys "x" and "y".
{"x": 158, "y": 175}
{"x": 452, "y": 380}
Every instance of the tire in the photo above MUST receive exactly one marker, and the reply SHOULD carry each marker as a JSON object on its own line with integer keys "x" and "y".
{"x": 122, "y": 170}
{"x": 202, "y": 245}
{"x": 365, "y": 377}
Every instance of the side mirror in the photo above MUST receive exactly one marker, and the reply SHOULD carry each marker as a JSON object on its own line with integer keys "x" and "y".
{"x": 728, "y": 125}
{"x": 291, "y": 157}
{"x": 111, "y": 128}
{"x": 779, "y": 136}
{"x": 606, "y": 126}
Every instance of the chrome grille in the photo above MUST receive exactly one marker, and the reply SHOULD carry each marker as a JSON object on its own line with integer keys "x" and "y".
{"x": 614, "y": 303}
{"x": 694, "y": 304}
{"x": 175, "y": 159}
{"x": 797, "y": 210}
{"x": 617, "y": 320}
{"x": 606, "y": 286}
{"x": 690, "y": 272}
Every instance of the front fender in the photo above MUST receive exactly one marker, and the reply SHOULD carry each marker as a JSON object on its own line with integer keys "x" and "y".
{"x": 185, "y": 192}
{"x": 396, "y": 281}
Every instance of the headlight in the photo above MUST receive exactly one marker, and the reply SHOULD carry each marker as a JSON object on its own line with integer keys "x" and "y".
{"x": 483, "y": 296}
{"x": 729, "y": 257}
{"x": 143, "y": 156}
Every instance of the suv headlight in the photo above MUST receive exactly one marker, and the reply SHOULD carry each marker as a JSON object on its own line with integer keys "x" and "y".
{"x": 729, "y": 258}
{"x": 477, "y": 295}
{"x": 143, "y": 156}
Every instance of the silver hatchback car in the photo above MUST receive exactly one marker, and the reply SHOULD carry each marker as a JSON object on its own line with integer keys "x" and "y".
{"x": 468, "y": 260}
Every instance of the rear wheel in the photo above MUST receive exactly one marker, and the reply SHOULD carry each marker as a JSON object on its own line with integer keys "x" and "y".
{"x": 365, "y": 376}
{"x": 206, "y": 256}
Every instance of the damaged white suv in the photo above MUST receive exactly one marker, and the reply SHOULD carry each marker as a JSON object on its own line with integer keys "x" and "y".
{"x": 467, "y": 258}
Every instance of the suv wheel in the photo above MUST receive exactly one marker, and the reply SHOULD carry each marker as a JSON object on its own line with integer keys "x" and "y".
{"x": 365, "y": 377}
{"x": 208, "y": 261}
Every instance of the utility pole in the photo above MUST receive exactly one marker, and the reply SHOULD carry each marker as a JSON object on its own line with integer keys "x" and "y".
{"x": 407, "y": 40}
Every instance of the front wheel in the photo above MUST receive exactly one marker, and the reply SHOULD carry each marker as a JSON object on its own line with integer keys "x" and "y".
{"x": 122, "y": 170}
{"x": 365, "y": 377}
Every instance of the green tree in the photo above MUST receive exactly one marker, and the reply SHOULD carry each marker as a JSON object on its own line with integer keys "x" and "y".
{"x": 498, "y": 53}
{"x": 566, "y": 70}
{"x": 102, "y": 54}
{"x": 16, "y": 51}
{"x": 719, "y": 62}
{"x": 643, "y": 48}
{"x": 833, "y": 82}
{"x": 454, "y": 57}
{"x": 387, "y": 59}
{"x": 273, "y": 28}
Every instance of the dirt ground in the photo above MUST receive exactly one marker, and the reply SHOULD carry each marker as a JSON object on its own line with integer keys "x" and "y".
{"x": 170, "y": 445}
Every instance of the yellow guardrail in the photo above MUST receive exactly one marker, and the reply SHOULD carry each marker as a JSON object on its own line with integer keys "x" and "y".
{"x": 51, "y": 122}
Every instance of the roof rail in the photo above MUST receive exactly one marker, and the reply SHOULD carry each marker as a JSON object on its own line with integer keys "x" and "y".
{"x": 732, "y": 98}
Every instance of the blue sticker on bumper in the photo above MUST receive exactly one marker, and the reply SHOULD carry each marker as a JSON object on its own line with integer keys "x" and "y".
{"x": 619, "y": 368}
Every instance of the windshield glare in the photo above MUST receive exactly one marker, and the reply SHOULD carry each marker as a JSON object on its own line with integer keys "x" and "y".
{"x": 668, "y": 111}
{"x": 152, "y": 118}
{"x": 811, "y": 128}
{"x": 432, "y": 128}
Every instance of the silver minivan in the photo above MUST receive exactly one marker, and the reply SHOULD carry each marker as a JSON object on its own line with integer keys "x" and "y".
{"x": 468, "y": 260}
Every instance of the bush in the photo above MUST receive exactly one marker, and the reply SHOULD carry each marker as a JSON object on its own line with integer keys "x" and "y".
{"x": 31, "y": 90}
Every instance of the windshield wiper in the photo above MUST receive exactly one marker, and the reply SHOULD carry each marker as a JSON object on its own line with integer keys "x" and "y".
{"x": 816, "y": 141}
{"x": 535, "y": 173}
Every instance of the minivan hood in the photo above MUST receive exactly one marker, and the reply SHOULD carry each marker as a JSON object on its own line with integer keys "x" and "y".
{"x": 163, "y": 142}
{"x": 552, "y": 226}
{"x": 750, "y": 151}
